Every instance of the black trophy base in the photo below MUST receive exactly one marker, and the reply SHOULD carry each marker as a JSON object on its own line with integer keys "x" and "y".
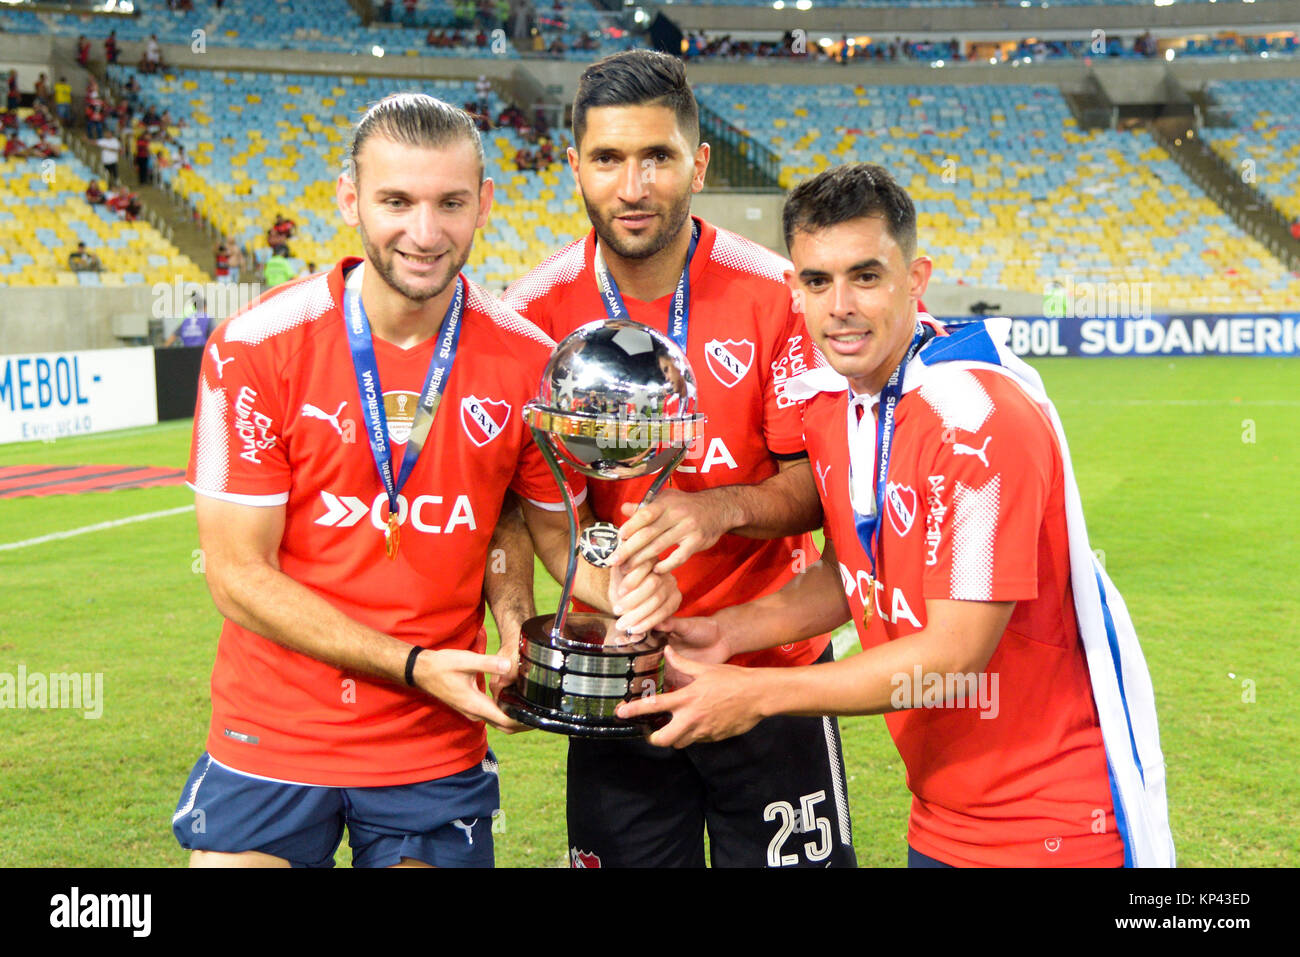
{"x": 571, "y": 683}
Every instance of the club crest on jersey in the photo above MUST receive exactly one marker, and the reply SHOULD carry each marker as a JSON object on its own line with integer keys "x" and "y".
{"x": 729, "y": 360}
{"x": 579, "y": 858}
{"x": 483, "y": 419}
{"x": 901, "y": 502}
{"x": 399, "y": 410}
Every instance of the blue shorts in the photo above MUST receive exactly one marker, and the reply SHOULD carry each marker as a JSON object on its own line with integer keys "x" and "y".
{"x": 916, "y": 859}
{"x": 446, "y": 822}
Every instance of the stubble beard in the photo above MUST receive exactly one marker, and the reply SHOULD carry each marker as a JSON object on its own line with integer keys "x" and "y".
{"x": 674, "y": 219}
{"x": 384, "y": 266}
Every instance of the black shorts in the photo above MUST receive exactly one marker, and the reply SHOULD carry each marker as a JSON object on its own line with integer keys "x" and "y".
{"x": 773, "y": 797}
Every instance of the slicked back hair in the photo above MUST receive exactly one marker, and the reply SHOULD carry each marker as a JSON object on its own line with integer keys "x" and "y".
{"x": 637, "y": 78}
{"x": 415, "y": 119}
{"x": 845, "y": 193}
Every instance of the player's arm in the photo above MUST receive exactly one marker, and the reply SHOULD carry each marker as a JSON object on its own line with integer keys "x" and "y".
{"x": 784, "y": 504}
{"x": 811, "y": 603}
{"x": 639, "y": 596}
{"x": 723, "y": 700}
{"x": 240, "y": 545}
{"x": 508, "y": 584}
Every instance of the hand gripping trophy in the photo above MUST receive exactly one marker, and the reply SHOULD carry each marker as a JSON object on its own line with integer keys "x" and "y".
{"x": 617, "y": 401}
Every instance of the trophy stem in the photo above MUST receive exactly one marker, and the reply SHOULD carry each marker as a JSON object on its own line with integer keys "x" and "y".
{"x": 662, "y": 478}
{"x": 543, "y": 440}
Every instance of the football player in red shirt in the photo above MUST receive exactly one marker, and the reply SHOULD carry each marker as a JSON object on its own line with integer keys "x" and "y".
{"x": 735, "y": 516}
{"x": 347, "y": 683}
{"x": 956, "y": 544}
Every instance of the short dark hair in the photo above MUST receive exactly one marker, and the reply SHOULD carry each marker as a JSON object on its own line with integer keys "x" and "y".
{"x": 415, "y": 119}
{"x": 637, "y": 78}
{"x": 849, "y": 192}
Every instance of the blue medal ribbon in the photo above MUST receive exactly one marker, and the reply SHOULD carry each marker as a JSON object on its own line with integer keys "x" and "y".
{"x": 372, "y": 397}
{"x": 868, "y": 526}
{"x": 679, "y": 318}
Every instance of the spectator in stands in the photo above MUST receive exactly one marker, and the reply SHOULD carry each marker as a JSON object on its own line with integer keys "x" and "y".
{"x": 40, "y": 120}
{"x": 94, "y": 117}
{"x": 44, "y": 149}
{"x": 278, "y": 268}
{"x": 237, "y": 260}
{"x": 525, "y": 160}
{"x": 196, "y": 325}
{"x": 386, "y": 12}
{"x": 82, "y": 260}
{"x": 15, "y": 99}
{"x": 9, "y": 122}
{"x": 1295, "y": 230}
{"x": 122, "y": 115}
{"x": 94, "y": 195}
{"x": 221, "y": 262}
{"x": 83, "y": 51}
{"x": 110, "y": 147}
{"x": 132, "y": 90}
{"x": 152, "y": 60}
{"x": 43, "y": 90}
{"x": 276, "y": 241}
{"x": 63, "y": 100}
{"x": 110, "y": 47}
{"x": 14, "y": 148}
{"x": 131, "y": 212}
{"x": 142, "y": 158}
{"x": 285, "y": 227}
{"x": 511, "y": 116}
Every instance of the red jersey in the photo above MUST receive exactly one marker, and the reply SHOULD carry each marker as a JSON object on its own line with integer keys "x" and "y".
{"x": 744, "y": 342}
{"x": 1013, "y": 771}
{"x": 279, "y": 423}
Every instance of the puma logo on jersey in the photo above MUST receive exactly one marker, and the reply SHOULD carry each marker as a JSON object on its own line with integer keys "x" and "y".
{"x": 467, "y": 828}
{"x": 312, "y": 412}
{"x": 821, "y": 476}
{"x": 345, "y": 511}
{"x": 959, "y": 449}
{"x": 216, "y": 357}
{"x": 729, "y": 360}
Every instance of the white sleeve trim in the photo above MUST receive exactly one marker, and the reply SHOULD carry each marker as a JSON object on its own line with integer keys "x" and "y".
{"x": 558, "y": 506}
{"x": 264, "y": 501}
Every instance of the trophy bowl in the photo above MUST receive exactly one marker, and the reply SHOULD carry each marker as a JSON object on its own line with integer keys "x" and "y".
{"x": 617, "y": 401}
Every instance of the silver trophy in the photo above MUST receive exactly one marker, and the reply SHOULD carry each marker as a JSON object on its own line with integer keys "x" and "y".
{"x": 617, "y": 401}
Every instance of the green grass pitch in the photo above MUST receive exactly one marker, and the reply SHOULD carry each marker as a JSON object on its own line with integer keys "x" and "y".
{"x": 1185, "y": 467}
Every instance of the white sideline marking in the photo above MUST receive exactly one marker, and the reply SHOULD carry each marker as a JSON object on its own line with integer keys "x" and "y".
{"x": 71, "y": 533}
{"x": 1176, "y": 402}
{"x": 843, "y": 639}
